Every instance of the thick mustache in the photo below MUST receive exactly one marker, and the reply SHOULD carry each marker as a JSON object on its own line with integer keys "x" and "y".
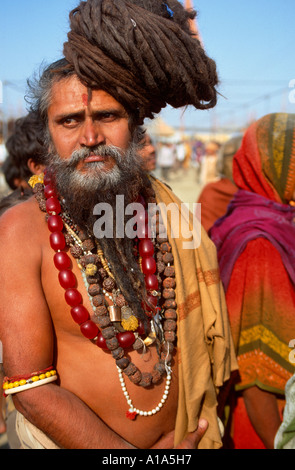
{"x": 100, "y": 150}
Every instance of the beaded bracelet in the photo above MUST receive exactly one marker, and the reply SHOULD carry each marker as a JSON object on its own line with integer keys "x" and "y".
{"x": 23, "y": 384}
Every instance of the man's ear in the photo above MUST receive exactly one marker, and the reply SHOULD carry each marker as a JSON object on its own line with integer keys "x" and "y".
{"x": 35, "y": 168}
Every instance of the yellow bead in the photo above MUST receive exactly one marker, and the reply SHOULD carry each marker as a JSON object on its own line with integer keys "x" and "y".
{"x": 10, "y": 386}
{"x": 16, "y": 384}
{"x": 130, "y": 324}
{"x": 53, "y": 372}
{"x": 48, "y": 374}
{"x": 35, "y": 378}
{"x": 22, "y": 382}
{"x": 42, "y": 376}
{"x": 5, "y": 386}
{"x": 91, "y": 270}
{"x": 35, "y": 179}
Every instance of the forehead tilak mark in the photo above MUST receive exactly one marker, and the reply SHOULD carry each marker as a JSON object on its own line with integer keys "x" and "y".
{"x": 85, "y": 99}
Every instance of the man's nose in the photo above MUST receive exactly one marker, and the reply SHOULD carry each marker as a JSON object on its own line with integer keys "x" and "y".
{"x": 91, "y": 134}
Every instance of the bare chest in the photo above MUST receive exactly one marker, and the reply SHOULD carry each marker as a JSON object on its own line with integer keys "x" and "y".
{"x": 91, "y": 373}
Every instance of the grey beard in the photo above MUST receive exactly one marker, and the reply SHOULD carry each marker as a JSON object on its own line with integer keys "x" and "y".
{"x": 82, "y": 190}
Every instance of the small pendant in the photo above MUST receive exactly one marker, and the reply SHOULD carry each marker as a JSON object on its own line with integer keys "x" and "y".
{"x": 131, "y": 414}
{"x": 115, "y": 313}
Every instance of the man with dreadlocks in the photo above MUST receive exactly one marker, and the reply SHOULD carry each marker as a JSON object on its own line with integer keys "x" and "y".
{"x": 114, "y": 340}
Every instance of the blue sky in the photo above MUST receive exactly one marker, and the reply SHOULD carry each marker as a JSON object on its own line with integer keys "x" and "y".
{"x": 252, "y": 42}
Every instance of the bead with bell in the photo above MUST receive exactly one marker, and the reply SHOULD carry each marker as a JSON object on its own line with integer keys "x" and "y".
{"x": 66, "y": 279}
{"x": 89, "y": 329}
{"x": 55, "y": 223}
{"x": 73, "y": 297}
{"x": 126, "y": 339}
{"x": 151, "y": 282}
{"x": 148, "y": 265}
{"x": 53, "y": 205}
{"x": 62, "y": 260}
{"x": 146, "y": 248}
{"x": 80, "y": 314}
{"x": 57, "y": 241}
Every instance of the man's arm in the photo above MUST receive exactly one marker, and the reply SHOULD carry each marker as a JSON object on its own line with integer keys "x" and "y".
{"x": 54, "y": 407}
{"x": 27, "y": 336}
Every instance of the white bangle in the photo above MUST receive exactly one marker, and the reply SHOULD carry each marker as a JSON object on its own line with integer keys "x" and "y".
{"x": 22, "y": 388}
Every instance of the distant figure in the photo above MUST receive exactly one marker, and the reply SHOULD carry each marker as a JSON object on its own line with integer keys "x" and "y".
{"x": 166, "y": 157}
{"x": 256, "y": 252}
{"x": 148, "y": 153}
{"x": 183, "y": 152}
{"x": 208, "y": 163}
{"x": 26, "y": 153}
{"x": 198, "y": 152}
{"x": 25, "y": 146}
{"x": 11, "y": 174}
{"x": 215, "y": 196}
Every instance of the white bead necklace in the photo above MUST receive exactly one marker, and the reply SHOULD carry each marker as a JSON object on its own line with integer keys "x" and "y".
{"x": 133, "y": 412}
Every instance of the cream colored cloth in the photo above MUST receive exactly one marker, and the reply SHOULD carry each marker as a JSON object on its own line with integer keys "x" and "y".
{"x": 31, "y": 437}
{"x": 204, "y": 343}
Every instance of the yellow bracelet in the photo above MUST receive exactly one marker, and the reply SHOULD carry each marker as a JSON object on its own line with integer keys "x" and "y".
{"x": 35, "y": 381}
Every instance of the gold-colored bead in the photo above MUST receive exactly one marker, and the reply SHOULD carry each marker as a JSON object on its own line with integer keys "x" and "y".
{"x": 130, "y": 324}
{"x": 35, "y": 179}
{"x": 91, "y": 270}
{"x": 35, "y": 378}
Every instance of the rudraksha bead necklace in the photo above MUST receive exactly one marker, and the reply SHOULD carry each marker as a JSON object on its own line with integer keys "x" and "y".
{"x": 115, "y": 327}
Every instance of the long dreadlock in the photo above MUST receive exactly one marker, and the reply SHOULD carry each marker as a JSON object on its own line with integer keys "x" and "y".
{"x": 120, "y": 256}
{"x": 142, "y": 53}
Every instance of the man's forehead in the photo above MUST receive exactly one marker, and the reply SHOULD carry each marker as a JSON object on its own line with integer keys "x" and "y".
{"x": 70, "y": 92}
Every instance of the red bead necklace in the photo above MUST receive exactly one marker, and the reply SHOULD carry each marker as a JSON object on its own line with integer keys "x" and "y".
{"x": 101, "y": 331}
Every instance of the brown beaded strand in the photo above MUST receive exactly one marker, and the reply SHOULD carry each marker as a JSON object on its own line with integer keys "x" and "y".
{"x": 100, "y": 276}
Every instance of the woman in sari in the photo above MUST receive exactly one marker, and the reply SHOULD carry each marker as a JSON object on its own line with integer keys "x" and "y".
{"x": 256, "y": 251}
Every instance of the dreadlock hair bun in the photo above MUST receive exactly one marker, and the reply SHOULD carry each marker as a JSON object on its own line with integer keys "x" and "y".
{"x": 142, "y": 53}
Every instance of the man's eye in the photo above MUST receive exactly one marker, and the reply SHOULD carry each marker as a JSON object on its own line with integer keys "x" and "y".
{"x": 69, "y": 121}
{"x": 108, "y": 117}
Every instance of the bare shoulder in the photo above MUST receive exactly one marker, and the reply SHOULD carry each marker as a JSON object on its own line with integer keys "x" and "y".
{"x": 22, "y": 225}
{"x": 23, "y": 309}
